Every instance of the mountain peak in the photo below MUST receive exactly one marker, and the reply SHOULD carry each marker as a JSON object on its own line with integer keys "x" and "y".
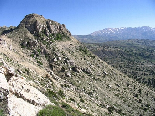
{"x": 37, "y": 24}
{"x": 33, "y": 15}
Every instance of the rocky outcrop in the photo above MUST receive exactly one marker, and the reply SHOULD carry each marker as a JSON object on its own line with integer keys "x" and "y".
{"x": 4, "y": 91}
{"x": 37, "y": 24}
{"x": 17, "y": 95}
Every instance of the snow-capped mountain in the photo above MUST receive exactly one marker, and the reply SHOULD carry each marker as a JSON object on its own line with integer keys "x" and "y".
{"x": 123, "y": 33}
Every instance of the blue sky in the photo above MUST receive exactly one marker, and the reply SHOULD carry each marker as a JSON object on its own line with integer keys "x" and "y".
{"x": 82, "y": 16}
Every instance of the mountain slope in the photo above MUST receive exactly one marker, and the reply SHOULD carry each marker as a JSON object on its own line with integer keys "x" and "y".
{"x": 69, "y": 74}
{"x": 133, "y": 57}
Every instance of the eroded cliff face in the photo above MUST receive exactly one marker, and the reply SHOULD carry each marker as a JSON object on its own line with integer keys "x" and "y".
{"x": 18, "y": 97}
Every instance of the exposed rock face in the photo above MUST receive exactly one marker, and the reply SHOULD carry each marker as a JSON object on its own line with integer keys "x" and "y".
{"x": 18, "y": 97}
{"x": 4, "y": 87}
{"x": 37, "y": 24}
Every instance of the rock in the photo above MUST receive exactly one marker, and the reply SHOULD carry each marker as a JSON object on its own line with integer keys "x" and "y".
{"x": 19, "y": 107}
{"x": 18, "y": 97}
{"x": 87, "y": 70}
{"x": 4, "y": 87}
{"x": 83, "y": 110}
{"x": 68, "y": 74}
{"x": 8, "y": 73}
{"x": 71, "y": 62}
{"x": 64, "y": 25}
{"x": 24, "y": 90}
{"x": 4, "y": 100}
{"x": 59, "y": 58}
{"x": 37, "y": 24}
{"x": 3, "y": 81}
{"x": 55, "y": 60}
{"x": 76, "y": 69}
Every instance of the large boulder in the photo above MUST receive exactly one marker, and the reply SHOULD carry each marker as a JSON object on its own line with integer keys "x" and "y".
{"x": 17, "y": 95}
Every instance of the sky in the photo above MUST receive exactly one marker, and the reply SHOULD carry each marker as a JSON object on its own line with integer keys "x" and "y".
{"x": 82, "y": 17}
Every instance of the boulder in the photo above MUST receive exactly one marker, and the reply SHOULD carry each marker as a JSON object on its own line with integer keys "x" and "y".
{"x": 68, "y": 74}
{"x": 18, "y": 97}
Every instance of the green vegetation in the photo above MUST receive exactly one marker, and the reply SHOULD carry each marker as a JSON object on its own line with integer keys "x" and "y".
{"x": 58, "y": 37}
{"x": 51, "y": 94}
{"x": 81, "y": 100}
{"x": 51, "y": 111}
{"x": 83, "y": 49}
{"x": 70, "y": 111}
{"x": 72, "y": 99}
{"x": 39, "y": 62}
{"x": 1, "y": 64}
{"x": 1, "y": 113}
{"x": 61, "y": 37}
{"x": 135, "y": 58}
{"x": 61, "y": 93}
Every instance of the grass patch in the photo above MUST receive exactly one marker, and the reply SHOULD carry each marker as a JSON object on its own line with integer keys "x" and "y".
{"x": 51, "y": 111}
{"x": 70, "y": 111}
{"x": 1, "y": 113}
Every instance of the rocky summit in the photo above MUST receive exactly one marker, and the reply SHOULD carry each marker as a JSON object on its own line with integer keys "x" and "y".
{"x": 37, "y": 24}
{"x": 46, "y": 71}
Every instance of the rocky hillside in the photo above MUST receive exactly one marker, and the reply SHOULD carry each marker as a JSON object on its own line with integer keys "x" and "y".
{"x": 124, "y": 33}
{"x": 52, "y": 67}
{"x": 133, "y": 57}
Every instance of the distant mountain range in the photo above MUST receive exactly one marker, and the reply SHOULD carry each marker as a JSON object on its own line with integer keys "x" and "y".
{"x": 124, "y": 33}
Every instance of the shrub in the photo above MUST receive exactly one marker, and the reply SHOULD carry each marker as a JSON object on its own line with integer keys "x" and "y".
{"x": 51, "y": 94}
{"x": 60, "y": 92}
{"x": 39, "y": 62}
{"x": 63, "y": 69}
{"x": 64, "y": 105}
{"x": 83, "y": 49}
{"x": 81, "y": 100}
{"x": 72, "y": 99}
{"x": 58, "y": 36}
{"x": 51, "y": 111}
{"x": 70, "y": 111}
{"x": 1, "y": 113}
{"x": 111, "y": 109}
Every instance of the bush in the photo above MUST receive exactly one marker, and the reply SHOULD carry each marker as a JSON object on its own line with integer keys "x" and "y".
{"x": 51, "y": 94}
{"x": 83, "y": 49}
{"x": 111, "y": 109}
{"x": 70, "y": 111}
{"x": 60, "y": 92}
{"x": 72, "y": 99}
{"x": 63, "y": 69}
{"x": 51, "y": 111}
{"x": 58, "y": 36}
{"x": 1, "y": 113}
{"x": 64, "y": 105}
{"x": 39, "y": 62}
{"x": 81, "y": 100}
